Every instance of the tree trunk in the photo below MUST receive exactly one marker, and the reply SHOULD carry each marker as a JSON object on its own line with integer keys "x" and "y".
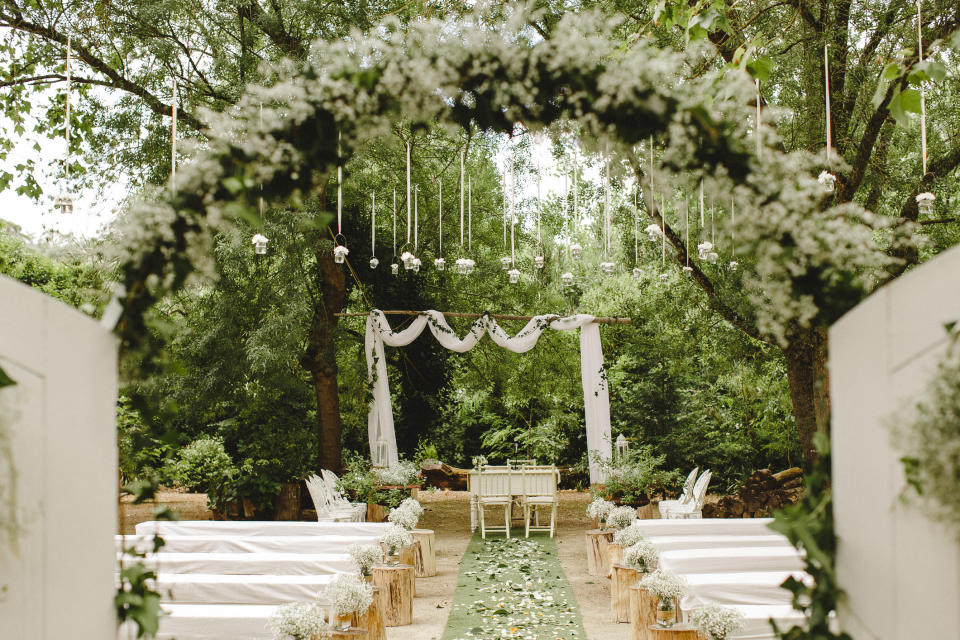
{"x": 808, "y": 378}
{"x": 321, "y": 357}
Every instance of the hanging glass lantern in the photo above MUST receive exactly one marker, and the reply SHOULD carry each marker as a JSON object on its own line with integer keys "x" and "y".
{"x": 566, "y": 278}
{"x": 539, "y": 261}
{"x": 608, "y": 267}
{"x": 440, "y": 264}
{"x": 828, "y": 181}
{"x": 688, "y": 270}
{"x": 505, "y": 262}
{"x": 381, "y": 454}
{"x": 64, "y": 203}
{"x": 259, "y": 242}
{"x": 407, "y": 259}
{"x": 925, "y": 203}
{"x": 704, "y": 249}
{"x": 622, "y": 446}
{"x": 394, "y": 268}
{"x": 340, "y": 250}
{"x": 465, "y": 266}
{"x": 664, "y": 277}
{"x": 637, "y": 273}
{"x": 712, "y": 257}
{"x": 374, "y": 262}
{"x": 416, "y": 264}
{"x": 734, "y": 265}
{"x": 575, "y": 251}
{"x": 654, "y": 232}
{"x": 514, "y": 276}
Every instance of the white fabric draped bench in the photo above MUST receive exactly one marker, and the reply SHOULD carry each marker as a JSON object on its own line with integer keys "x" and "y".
{"x": 750, "y": 588}
{"x": 673, "y": 543}
{"x": 248, "y": 544}
{"x": 707, "y": 527}
{"x": 257, "y": 528}
{"x": 251, "y": 563}
{"x": 213, "y": 588}
{"x": 732, "y": 560}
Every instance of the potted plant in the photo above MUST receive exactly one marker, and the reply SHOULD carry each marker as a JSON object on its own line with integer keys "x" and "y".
{"x": 393, "y": 540}
{"x": 365, "y": 556}
{"x": 598, "y": 510}
{"x": 716, "y": 621}
{"x": 407, "y": 515}
{"x": 298, "y": 621}
{"x": 620, "y": 518}
{"x": 667, "y": 588}
{"x": 642, "y": 555}
{"x": 350, "y": 597}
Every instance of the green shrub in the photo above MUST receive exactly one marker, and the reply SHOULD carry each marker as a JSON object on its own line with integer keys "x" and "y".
{"x": 205, "y": 466}
{"x": 634, "y": 477}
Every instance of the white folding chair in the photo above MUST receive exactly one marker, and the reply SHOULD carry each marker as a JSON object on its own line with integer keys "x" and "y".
{"x": 494, "y": 491}
{"x": 694, "y": 508}
{"x": 359, "y": 508}
{"x": 322, "y": 498}
{"x": 668, "y": 505}
{"x": 539, "y": 490}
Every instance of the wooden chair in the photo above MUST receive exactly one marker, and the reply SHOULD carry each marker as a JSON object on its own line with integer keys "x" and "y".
{"x": 537, "y": 494}
{"x": 494, "y": 491}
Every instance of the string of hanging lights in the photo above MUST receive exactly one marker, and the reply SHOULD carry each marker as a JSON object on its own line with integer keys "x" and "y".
{"x": 924, "y": 200}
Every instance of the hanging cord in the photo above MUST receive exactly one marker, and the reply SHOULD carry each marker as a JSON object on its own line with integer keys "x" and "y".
{"x": 66, "y": 158}
{"x": 733, "y": 226}
{"x": 703, "y": 222}
{"x": 663, "y": 234}
{"x": 566, "y": 206}
{"x": 513, "y": 219}
{"x": 826, "y": 91}
{"x": 757, "y": 131}
{"x": 440, "y": 198}
{"x": 409, "y": 205}
{"x": 469, "y": 214}
{"x": 394, "y": 222}
{"x": 636, "y": 228}
{"x": 686, "y": 221}
{"x": 339, "y": 186}
{"x": 923, "y": 93}
{"x": 416, "y": 216}
{"x": 539, "y": 205}
{"x": 462, "y": 153}
{"x": 576, "y": 192}
{"x": 506, "y": 187}
{"x": 260, "y": 199}
{"x": 373, "y": 225}
{"x": 173, "y": 136}
{"x": 713, "y": 228}
{"x": 606, "y": 209}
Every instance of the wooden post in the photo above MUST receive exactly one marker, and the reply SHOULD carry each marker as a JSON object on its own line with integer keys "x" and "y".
{"x": 676, "y": 632}
{"x": 376, "y": 513}
{"x": 614, "y": 556}
{"x": 372, "y": 619}
{"x": 396, "y": 582}
{"x": 353, "y": 633}
{"x": 425, "y": 554}
{"x": 597, "y": 541}
{"x": 622, "y": 578}
{"x": 643, "y": 612}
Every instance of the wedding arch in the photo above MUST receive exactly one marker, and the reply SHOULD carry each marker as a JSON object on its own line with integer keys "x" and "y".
{"x": 596, "y": 398}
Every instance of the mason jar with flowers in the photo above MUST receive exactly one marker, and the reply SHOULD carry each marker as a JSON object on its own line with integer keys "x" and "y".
{"x": 716, "y": 622}
{"x": 299, "y": 621}
{"x": 642, "y": 556}
{"x": 365, "y": 556}
{"x": 349, "y": 598}
{"x": 393, "y": 539}
{"x": 598, "y": 510}
{"x": 667, "y": 588}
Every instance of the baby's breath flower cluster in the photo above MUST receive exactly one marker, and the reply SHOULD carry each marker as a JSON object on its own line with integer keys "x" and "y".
{"x": 395, "y": 537}
{"x": 629, "y": 536}
{"x": 348, "y": 594}
{"x": 643, "y": 555}
{"x": 365, "y": 556}
{"x": 621, "y": 517}
{"x": 400, "y": 474}
{"x": 716, "y": 621}
{"x": 407, "y": 515}
{"x": 298, "y": 621}
{"x": 599, "y": 509}
{"x": 665, "y": 585}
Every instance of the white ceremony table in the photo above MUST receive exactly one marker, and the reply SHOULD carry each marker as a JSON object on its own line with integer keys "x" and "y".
{"x": 505, "y": 481}
{"x": 739, "y": 559}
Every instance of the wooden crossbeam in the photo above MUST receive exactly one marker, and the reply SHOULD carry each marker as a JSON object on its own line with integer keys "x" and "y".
{"x": 451, "y": 314}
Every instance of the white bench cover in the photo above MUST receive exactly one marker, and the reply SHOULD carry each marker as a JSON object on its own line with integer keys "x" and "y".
{"x": 739, "y": 559}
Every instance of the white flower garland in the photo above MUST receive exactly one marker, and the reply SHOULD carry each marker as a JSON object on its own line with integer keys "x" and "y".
{"x": 298, "y": 621}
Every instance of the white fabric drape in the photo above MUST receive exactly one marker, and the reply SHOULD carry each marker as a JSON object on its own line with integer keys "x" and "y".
{"x": 596, "y": 398}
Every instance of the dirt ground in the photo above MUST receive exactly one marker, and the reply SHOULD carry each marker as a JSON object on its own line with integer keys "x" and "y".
{"x": 447, "y": 513}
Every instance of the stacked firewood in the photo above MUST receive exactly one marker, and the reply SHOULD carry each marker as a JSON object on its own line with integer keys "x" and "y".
{"x": 762, "y": 493}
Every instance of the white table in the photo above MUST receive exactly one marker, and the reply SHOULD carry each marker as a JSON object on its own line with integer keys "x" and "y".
{"x": 504, "y": 481}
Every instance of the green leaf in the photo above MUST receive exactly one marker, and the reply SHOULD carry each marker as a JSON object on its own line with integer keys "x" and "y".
{"x": 891, "y": 71}
{"x": 5, "y": 380}
{"x": 760, "y": 68}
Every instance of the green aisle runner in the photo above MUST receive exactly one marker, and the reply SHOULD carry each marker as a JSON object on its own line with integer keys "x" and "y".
{"x": 513, "y": 589}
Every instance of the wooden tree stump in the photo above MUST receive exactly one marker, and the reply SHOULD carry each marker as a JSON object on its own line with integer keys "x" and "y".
{"x": 597, "y": 541}
{"x": 372, "y": 619}
{"x": 376, "y": 513}
{"x": 425, "y": 553}
{"x": 614, "y": 556}
{"x": 353, "y": 633}
{"x": 622, "y": 578}
{"x": 643, "y": 612}
{"x": 396, "y": 583}
{"x": 676, "y": 632}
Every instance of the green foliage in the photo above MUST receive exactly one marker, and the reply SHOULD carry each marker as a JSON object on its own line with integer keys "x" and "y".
{"x": 205, "y": 466}
{"x": 633, "y": 478}
{"x": 809, "y": 527}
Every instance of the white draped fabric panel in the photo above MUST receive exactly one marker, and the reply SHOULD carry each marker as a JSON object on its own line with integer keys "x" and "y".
{"x": 596, "y": 399}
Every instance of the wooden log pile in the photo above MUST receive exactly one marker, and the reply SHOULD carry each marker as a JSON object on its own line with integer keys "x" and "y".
{"x": 761, "y": 494}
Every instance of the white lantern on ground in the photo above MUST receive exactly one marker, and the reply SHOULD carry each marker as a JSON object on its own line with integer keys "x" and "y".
{"x": 340, "y": 253}
{"x": 374, "y": 262}
{"x": 637, "y": 273}
{"x": 64, "y": 203}
{"x": 566, "y": 278}
{"x": 505, "y": 262}
{"x": 514, "y": 276}
{"x": 654, "y": 232}
{"x": 539, "y": 261}
{"x": 925, "y": 203}
{"x": 440, "y": 264}
{"x": 622, "y": 446}
{"x": 608, "y": 267}
{"x": 394, "y": 268}
{"x": 828, "y": 181}
{"x": 575, "y": 251}
{"x": 259, "y": 242}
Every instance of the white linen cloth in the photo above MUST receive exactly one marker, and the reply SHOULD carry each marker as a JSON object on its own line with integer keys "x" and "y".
{"x": 210, "y": 622}
{"x": 239, "y": 563}
{"x": 596, "y": 398}
{"x": 757, "y": 620}
{"x": 248, "y": 544}
{"x": 706, "y": 527}
{"x": 260, "y": 528}
{"x": 750, "y": 588}
{"x": 671, "y": 543}
{"x": 738, "y": 559}
{"x": 212, "y": 588}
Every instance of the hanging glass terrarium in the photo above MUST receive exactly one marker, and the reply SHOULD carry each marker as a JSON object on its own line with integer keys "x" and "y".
{"x": 505, "y": 262}
{"x": 734, "y": 265}
{"x": 828, "y": 181}
{"x": 64, "y": 203}
{"x": 608, "y": 267}
{"x": 637, "y": 273}
{"x": 259, "y": 242}
{"x": 925, "y": 203}
{"x": 374, "y": 262}
{"x": 653, "y": 232}
{"x": 440, "y": 264}
{"x": 704, "y": 249}
{"x": 394, "y": 268}
{"x": 688, "y": 270}
{"x": 407, "y": 259}
{"x": 576, "y": 251}
{"x": 465, "y": 266}
{"x": 514, "y": 276}
{"x": 415, "y": 264}
{"x": 340, "y": 250}
{"x": 566, "y": 278}
{"x": 539, "y": 261}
